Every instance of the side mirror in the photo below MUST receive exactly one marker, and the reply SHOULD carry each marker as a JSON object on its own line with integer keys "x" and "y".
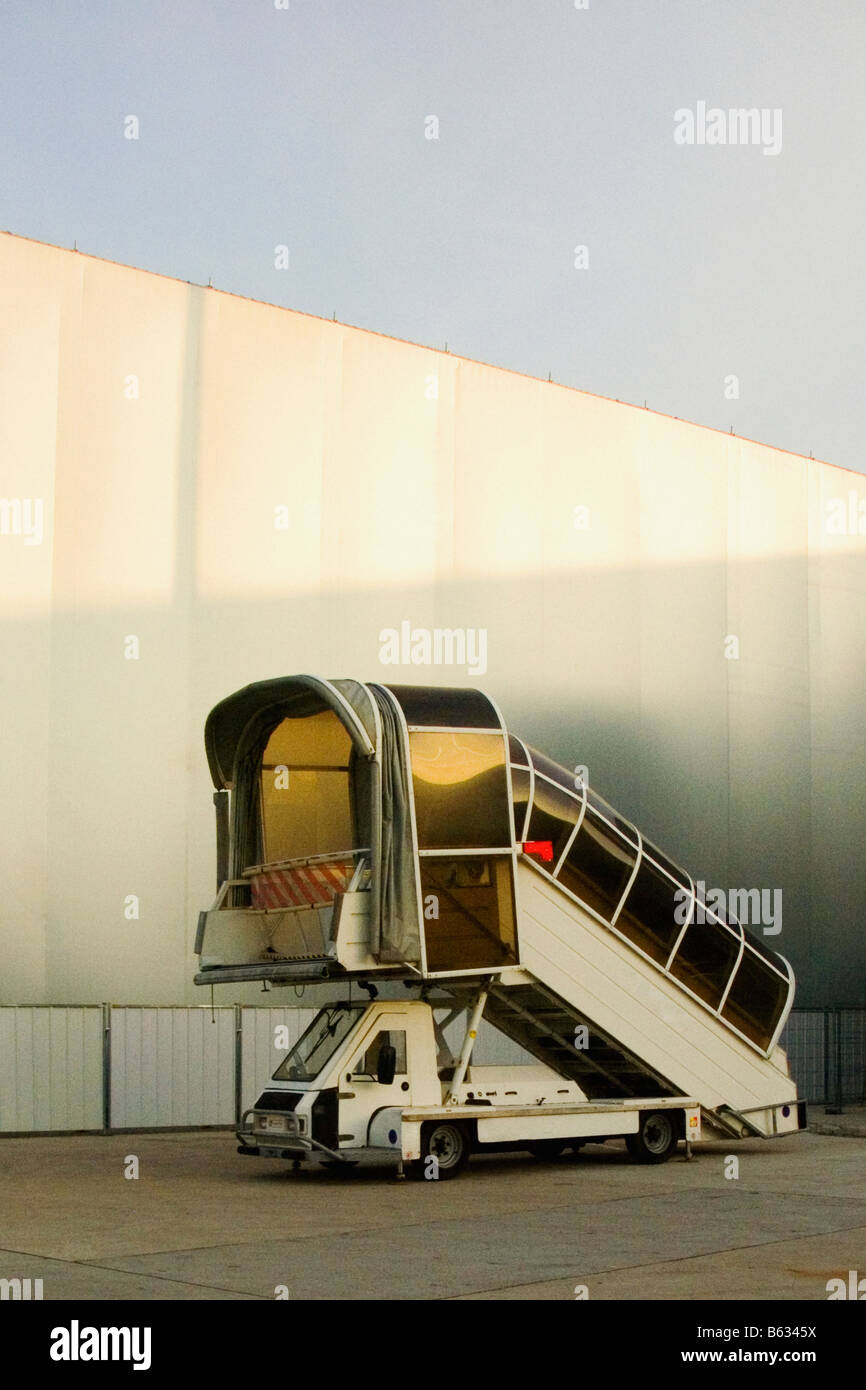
{"x": 387, "y": 1065}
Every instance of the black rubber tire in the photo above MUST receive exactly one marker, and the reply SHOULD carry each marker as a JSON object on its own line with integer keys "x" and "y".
{"x": 448, "y": 1142}
{"x": 656, "y": 1139}
{"x": 545, "y": 1150}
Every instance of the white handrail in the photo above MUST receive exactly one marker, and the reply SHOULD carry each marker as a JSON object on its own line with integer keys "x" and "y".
{"x": 336, "y": 856}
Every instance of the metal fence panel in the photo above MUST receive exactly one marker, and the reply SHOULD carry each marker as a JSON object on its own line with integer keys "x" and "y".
{"x": 172, "y": 1067}
{"x": 803, "y": 1041}
{"x": 827, "y": 1054}
{"x": 188, "y": 1067}
{"x": 852, "y": 1045}
{"x": 50, "y": 1067}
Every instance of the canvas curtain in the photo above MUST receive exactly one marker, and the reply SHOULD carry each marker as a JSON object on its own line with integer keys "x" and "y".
{"x": 398, "y": 934}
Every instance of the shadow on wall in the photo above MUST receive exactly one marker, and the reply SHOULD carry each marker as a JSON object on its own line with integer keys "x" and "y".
{"x": 742, "y": 761}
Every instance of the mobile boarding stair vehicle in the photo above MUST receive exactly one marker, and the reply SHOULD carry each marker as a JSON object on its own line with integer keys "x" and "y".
{"x": 400, "y": 841}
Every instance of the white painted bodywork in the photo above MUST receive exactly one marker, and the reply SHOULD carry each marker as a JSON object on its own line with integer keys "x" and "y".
{"x": 579, "y": 960}
{"x": 249, "y": 936}
{"x": 529, "y": 1084}
{"x": 504, "y": 1104}
{"x": 608, "y": 982}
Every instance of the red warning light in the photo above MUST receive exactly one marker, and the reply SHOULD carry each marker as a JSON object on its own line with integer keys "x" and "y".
{"x": 543, "y": 848}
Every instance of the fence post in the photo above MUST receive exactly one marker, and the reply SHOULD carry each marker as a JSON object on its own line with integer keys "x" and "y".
{"x": 832, "y": 1061}
{"x": 106, "y": 1068}
{"x": 239, "y": 1060}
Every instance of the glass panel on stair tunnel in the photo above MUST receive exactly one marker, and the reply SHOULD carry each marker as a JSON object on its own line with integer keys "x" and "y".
{"x": 648, "y": 916}
{"x": 516, "y": 752}
{"x": 468, "y": 911}
{"x": 554, "y": 772}
{"x": 461, "y": 790}
{"x": 460, "y": 783}
{"x": 554, "y": 815}
{"x": 757, "y": 998}
{"x": 444, "y": 706}
{"x": 305, "y": 789}
{"x": 671, "y": 869}
{"x": 706, "y": 956}
{"x": 598, "y": 865}
{"x": 606, "y": 811}
{"x": 312, "y": 807}
{"x": 520, "y": 783}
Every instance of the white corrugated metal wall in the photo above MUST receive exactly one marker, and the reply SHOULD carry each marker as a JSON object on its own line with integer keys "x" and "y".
{"x": 172, "y": 1066}
{"x": 167, "y": 1067}
{"x": 192, "y": 1067}
{"x": 51, "y": 1067}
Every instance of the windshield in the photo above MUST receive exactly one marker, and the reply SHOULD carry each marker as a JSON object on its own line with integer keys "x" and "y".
{"x": 318, "y": 1044}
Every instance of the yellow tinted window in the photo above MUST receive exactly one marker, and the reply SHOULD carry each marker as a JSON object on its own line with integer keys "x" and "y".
{"x": 461, "y": 791}
{"x": 305, "y": 789}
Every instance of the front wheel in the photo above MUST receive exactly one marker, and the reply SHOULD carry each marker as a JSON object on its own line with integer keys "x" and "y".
{"x": 656, "y": 1139}
{"x": 444, "y": 1151}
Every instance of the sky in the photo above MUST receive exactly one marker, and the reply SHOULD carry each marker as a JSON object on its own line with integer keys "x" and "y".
{"x": 431, "y": 169}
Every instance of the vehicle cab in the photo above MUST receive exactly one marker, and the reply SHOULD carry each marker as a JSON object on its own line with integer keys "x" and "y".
{"x": 345, "y": 1083}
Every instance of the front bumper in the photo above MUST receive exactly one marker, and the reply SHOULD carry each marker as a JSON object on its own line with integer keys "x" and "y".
{"x": 257, "y": 1140}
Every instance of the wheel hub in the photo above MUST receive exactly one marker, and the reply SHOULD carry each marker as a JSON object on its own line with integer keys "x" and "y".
{"x": 445, "y": 1146}
{"x": 657, "y": 1135}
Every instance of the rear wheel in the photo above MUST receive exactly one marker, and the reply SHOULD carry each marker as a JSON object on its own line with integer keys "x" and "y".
{"x": 445, "y": 1142}
{"x": 656, "y": 1139}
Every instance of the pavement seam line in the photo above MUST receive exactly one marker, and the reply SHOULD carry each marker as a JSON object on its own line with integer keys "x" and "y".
{"x": 679, "y": 1260}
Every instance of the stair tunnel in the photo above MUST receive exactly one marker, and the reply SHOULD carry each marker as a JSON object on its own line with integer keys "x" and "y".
{"x": 421, "y": 798}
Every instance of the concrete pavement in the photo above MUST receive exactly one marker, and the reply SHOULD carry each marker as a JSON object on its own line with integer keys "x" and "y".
{"x": 199, "y": 1222}
{"x": 850, "y": 1124}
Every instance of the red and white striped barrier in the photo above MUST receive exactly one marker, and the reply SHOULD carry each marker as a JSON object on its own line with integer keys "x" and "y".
{"x": 303, "y": 885}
